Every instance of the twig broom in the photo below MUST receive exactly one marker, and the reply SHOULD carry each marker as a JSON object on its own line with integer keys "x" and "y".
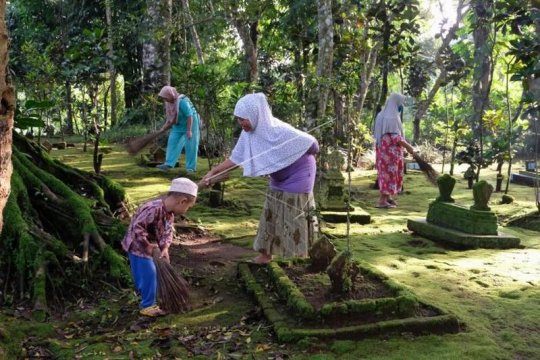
{"x": 428, "y": 170}
{"x": 173, "y": 290}
{"x": 135, "y": 145}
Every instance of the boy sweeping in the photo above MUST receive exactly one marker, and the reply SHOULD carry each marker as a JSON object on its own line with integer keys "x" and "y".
{"x": 151, "y": 227}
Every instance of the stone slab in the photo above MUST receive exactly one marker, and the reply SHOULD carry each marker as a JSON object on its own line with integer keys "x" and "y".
{"x": 358, "y": 216}
{"x": 524, "y": 178}
{"x": 460, "y": 239}
{"x": 530, "y": 173}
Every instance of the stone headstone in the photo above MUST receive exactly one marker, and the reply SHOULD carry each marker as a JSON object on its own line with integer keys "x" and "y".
{"x": 331, "y": 192}
{"x": 446, "y": 185}
{"x": 321, "y": 254}
{"x": 482, "y": 191}
{"x": 47, "y": 145}
{"x": 59, "y": 145}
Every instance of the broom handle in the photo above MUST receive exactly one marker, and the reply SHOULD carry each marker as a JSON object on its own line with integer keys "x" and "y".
{"x": 219, "y": 177}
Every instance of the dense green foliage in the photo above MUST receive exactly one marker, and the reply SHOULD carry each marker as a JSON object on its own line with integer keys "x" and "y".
{"x": 60, "y": 54}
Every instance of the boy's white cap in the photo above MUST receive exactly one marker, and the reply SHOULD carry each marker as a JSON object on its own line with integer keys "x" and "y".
{"x": 184, "y": 185}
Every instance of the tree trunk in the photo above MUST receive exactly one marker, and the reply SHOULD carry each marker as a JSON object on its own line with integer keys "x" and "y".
{"x": 385, "y": 62}
{"x": 325, "y": 55}
{"x": 156, "y": 57}
{"x": 69, "y": 109}
{"x": 7, "y": 110}
{"x": 194, "y": 34}
{"x": 369, "y": 60}
{"x": 110, "y": 57}
{"x": 340, "y": 124}
{"x": 483, "y": 63}
{"x": 534, "y": 93}
{"x": 423, "y": 106}
{"x": 533, "y": 82}
{"x": 165, "y": 44}
{"x": 248, "y": 34}
{"x": 299, "y": 79}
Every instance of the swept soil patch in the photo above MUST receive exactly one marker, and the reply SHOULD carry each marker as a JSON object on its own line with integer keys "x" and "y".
{"x": 316, "y": 287}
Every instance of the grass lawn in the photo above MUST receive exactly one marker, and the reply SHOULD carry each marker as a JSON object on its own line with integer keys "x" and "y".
{"x": 496, "y": 293}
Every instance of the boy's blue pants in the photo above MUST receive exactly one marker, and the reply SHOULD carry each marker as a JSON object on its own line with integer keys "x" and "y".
{"x": 145, "y": 278}
{"x": 175, "y": 144}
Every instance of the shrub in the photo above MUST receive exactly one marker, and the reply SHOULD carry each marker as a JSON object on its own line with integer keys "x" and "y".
{"x": 121, "y": 134}
{"x": 366, "y": 160}
{"x": 429, "y": 152}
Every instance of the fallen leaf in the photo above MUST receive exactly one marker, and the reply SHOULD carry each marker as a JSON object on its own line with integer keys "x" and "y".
{"x": 235, "y": 355}
{"x": 262, "y": 347}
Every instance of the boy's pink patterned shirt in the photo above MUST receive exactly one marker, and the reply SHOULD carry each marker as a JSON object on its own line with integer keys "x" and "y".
{"x": 150, "y": 224}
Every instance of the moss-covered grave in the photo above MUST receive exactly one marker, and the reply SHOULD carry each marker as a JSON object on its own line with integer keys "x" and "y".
{"x": 293, "y": 316}
{"x": 459, "y": 226}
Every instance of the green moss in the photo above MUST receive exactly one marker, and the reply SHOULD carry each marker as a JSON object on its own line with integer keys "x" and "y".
{"x": 514, "y": 294}
{"x": 403, "y": 305}
{"x": 459, "y": 218}
{"x": 22, "y": 248}
{"x": 16, "y": 332}
{"x": 294, "y": 298}
{"x": 114, "y": 193}
{"x": 285, "y": 335}
{"x": 118, "y": 268}
{"x": 35, "y": 177}
{"x": 342, "y": 347}
{"x": 459, "y": 239}
{"x": 114, "y": 233}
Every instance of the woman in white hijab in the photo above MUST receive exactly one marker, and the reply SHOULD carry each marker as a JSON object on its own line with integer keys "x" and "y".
{"x": 268, "y": 146}
{"x": 389, "y": 143}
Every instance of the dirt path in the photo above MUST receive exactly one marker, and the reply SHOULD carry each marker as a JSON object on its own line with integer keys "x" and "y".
{"x": 203, "y": 254}
{"x": 209, "y": 265}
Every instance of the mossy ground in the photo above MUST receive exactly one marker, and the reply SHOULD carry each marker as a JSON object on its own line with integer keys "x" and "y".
{"x": 496, "y": 293}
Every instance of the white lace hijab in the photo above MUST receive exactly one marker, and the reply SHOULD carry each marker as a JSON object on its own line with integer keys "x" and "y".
{"x": 388, "y": 119}
{"x": 272, "y": 144}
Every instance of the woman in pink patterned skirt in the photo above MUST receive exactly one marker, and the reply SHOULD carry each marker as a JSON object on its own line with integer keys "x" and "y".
{"x": 390, "y": 143}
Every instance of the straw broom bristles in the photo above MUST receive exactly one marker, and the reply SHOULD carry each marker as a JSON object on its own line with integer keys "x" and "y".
{"x": 173, "y": 291}
{"x": 427, "y": 169}
{"x": 135, "y": 145}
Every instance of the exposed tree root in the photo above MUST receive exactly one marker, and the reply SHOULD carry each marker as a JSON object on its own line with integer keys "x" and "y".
{"x": 58, "y": 230}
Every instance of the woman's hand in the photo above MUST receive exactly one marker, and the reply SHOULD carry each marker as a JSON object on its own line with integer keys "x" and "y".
{"x": 217, "y": 174}
{"x": 189, "y": 134}
{"x": 407, "y": 146}
{"x": 206, "y": 180}
{"x": 165, "y": 255}
{"x": 166, "y": 126}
